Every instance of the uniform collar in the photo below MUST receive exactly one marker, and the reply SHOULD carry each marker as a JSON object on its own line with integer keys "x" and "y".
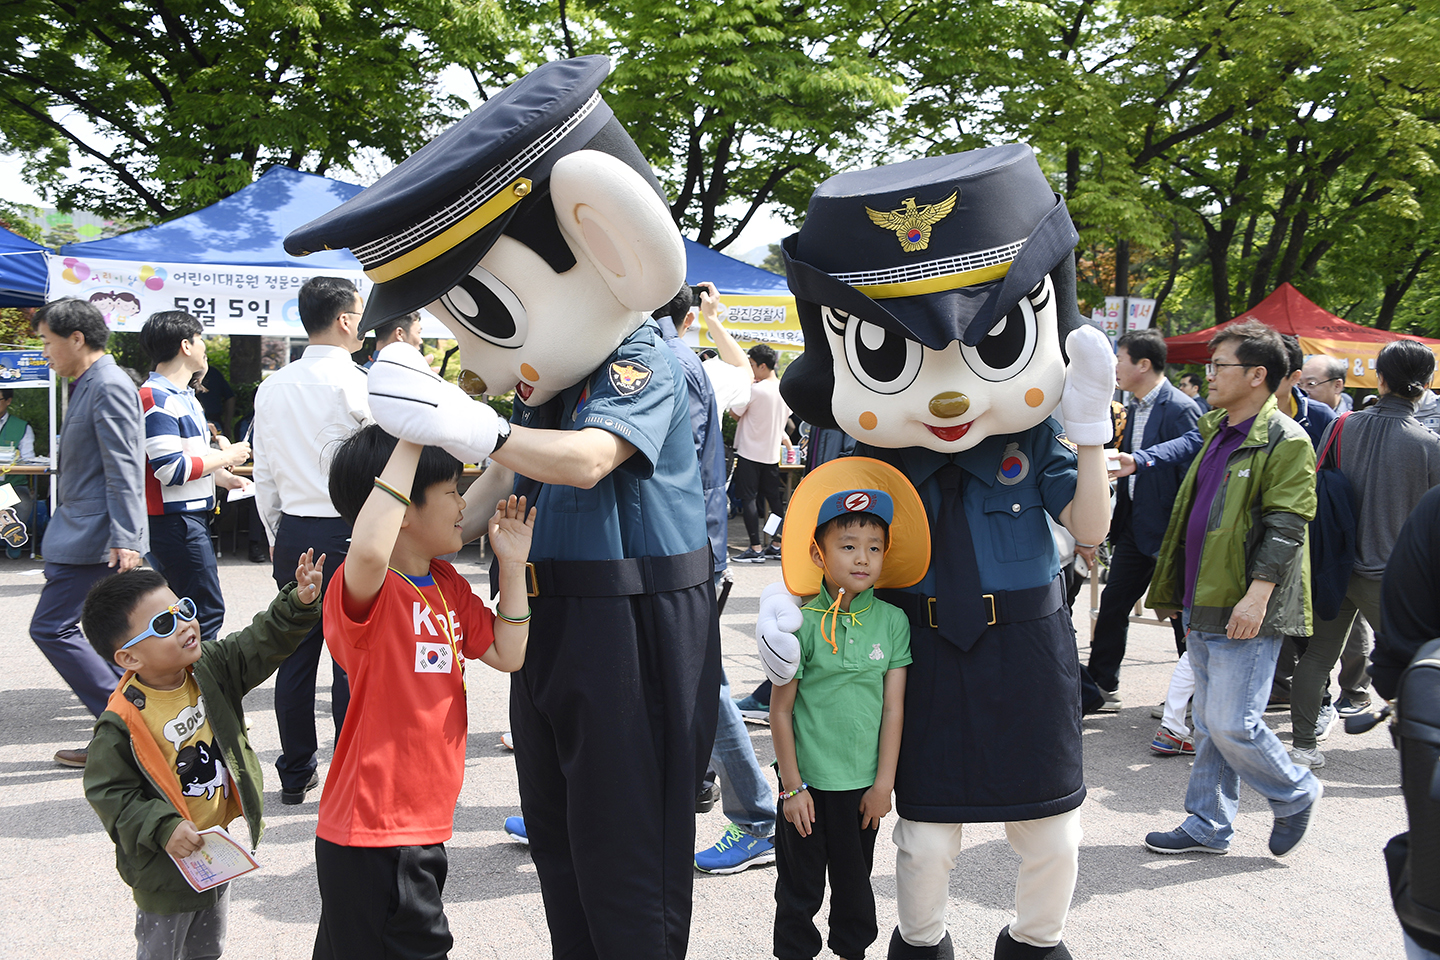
{"x": 981, "y": 461}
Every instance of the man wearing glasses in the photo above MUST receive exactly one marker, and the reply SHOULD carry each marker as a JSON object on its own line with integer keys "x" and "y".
{"x": 1234, "y": 561}
{"x": 300, "y": 411}
{"x": 1323, "y": 380}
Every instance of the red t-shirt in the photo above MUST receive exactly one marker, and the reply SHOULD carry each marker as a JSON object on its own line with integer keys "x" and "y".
{"x": 400, "y": 759}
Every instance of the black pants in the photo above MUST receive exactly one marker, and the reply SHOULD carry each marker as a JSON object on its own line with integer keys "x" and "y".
{"x": 752, "y": 479}
{"x": 614, "y": 719}
{"x": 381, "y": 902}
{"x": 181, "y": 551}
{"x": 839, "y": 844}
{"x": 295, "y": 680}
{"x": 1128, "y": 579}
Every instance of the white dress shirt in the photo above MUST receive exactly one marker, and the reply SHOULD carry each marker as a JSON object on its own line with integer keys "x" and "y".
{"x": 301, "y": 411}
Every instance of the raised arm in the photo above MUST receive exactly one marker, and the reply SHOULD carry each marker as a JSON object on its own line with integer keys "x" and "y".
{"x": 376, "y": 528}
{"x": 725, "y": 344}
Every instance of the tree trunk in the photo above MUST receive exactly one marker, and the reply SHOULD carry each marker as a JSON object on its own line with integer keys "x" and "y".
{"x": 1122, "y": 268}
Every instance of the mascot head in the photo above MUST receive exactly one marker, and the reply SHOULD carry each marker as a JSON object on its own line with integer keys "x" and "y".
{"x": 534, "y": 229}
{"x": 935, "y": 296}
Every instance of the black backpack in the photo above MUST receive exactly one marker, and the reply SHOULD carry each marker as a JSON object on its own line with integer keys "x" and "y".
{"x": 1414, "y": 858}
{"x": 1332, "y": 532}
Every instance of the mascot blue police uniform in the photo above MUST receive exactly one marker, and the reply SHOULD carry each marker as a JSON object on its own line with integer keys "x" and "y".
{"x": 535, "y": 230}
{"x": 937, "y": 298}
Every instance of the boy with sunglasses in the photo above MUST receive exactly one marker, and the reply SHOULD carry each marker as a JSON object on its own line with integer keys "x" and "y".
{"x": 170, "y": 755}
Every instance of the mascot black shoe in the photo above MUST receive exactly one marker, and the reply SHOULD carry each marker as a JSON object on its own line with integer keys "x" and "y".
{"x": 1008, "y": 948}
{"x": 900, "y": 950}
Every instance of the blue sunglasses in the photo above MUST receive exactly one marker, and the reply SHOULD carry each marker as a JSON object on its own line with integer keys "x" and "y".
{"x": 163, "y": 624}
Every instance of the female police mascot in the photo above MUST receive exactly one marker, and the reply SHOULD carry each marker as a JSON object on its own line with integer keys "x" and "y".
{"x": 938, "y": 303}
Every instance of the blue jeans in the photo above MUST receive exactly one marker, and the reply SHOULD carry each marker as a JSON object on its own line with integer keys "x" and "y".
{"x": 745, "y": 794}
{"x": 1232, "y": 741}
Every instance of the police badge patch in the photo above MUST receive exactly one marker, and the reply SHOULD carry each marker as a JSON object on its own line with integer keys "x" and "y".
{"x": 628, "y": 378}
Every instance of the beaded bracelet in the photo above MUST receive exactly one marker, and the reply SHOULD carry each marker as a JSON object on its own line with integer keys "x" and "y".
{"x": 787, "y": 794}
{"x": 382, "y": 485}
{"x": 520, "y": 622}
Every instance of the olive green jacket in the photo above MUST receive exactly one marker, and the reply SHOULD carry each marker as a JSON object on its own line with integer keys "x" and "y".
{"x": 1255, "y": 530}
{"x": 138, "y": 796}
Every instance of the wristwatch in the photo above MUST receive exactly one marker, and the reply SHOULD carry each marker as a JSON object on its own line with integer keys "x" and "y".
{"x": 502, "y": 433}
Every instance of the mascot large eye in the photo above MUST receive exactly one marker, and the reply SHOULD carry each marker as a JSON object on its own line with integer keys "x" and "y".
{"x": 883, "y": 361}
{"x": 488, "y": 307}
{"x": 1008, "y": 347}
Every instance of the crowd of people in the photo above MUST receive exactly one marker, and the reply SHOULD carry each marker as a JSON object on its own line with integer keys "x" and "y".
{"x": 138, "y": 473}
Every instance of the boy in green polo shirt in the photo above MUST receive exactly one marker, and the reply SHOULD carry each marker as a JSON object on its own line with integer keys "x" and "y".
{"x": 837, "y": 731}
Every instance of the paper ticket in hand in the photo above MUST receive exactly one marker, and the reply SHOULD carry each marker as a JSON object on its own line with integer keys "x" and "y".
{"x": 220, "y": 860}
{"x": 243, "y": 492}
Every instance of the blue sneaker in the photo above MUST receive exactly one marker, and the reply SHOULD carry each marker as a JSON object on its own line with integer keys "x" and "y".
{"x": 752, "y": 709}
{"x": 1178, "y": 841}
{"x": 736, "y": 851}
{"x": 515, "y": 828}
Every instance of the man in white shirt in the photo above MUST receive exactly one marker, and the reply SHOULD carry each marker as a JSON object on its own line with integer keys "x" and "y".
{"x": 758, "y": 438}
{"x": 300, "y": 412}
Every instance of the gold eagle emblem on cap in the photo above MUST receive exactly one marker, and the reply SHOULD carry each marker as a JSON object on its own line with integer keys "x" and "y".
{"x": 911, "y": 223}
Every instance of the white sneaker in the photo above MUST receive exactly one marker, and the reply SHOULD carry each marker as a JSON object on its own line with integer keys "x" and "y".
{"x": 1311, "y": 759}
{"x": 1325, "y": 721}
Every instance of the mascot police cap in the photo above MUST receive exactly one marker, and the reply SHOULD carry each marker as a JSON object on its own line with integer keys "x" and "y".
{"x": 937, "y": 249}
{"x": 421, "y": 228}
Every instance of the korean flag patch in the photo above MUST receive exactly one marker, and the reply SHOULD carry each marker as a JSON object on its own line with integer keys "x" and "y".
{"x": 628, "y": 377}
{"x": 432, "y": 657}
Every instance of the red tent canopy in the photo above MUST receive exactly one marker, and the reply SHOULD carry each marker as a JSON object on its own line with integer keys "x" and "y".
{"x": 1288, "y": 311}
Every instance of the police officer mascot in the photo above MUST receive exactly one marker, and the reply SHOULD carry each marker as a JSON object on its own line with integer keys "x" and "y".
{"x": 938, "y": 304}
{"x": 535, "y": 230}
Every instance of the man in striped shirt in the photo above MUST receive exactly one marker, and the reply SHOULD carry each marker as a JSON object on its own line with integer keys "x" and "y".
{"x": 181, "y": 468}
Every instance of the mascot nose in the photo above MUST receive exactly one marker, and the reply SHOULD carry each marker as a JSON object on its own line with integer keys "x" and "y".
{"x": 471, "y": 383}
{"x": 949, "y": 404}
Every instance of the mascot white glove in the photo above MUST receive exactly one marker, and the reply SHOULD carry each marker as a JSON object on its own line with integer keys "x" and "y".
{"x": 775, "y": 628}
{"x": 1089, "y": 385}
{"x": 410, "y": 402}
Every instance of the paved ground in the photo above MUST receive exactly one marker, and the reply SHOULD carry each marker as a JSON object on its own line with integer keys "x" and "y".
{"x": 1328, "y": 899}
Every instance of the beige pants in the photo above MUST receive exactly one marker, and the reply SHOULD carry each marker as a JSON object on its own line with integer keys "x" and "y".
{"x": 1049, "y": 852}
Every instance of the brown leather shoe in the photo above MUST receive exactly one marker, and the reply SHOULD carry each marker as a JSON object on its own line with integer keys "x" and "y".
{"x": 72, "y": 758}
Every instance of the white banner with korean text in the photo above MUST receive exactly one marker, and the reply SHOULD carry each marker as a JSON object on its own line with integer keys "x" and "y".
{"x": 225, "y": 299}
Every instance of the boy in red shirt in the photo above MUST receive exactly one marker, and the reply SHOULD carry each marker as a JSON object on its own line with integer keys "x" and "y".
{"x": 400, "y": 622}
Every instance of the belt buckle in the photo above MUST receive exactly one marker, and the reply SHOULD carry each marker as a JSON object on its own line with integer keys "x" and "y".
{"x": 930, "y": 611}
{"x": 532, "y": 582}
{"x": 993, "y": 617}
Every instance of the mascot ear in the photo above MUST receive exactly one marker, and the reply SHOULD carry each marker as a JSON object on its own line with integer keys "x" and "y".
{"x": 615, "y": 218}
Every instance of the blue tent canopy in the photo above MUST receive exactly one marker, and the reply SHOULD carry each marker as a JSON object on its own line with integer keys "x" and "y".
{"x": 247, "y": 228}
{"x": 22, "y": 271}
{"x": 730, "y": 275}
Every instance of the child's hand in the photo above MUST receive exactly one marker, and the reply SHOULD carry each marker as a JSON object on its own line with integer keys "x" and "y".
{"x": 511, "y": 529}
{"x": 309, "y": 577}
{"x": 873, "y": 805}
{"x": 800, "y": 810}
{"x": 185, "y": 840}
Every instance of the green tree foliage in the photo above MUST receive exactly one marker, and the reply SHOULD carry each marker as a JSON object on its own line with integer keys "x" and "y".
{"x": 182, "y": 103}
{"x": 1239, "y": 144}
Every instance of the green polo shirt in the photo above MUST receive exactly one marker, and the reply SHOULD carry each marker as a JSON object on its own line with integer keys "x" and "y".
{"x": 841, "y": 692}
